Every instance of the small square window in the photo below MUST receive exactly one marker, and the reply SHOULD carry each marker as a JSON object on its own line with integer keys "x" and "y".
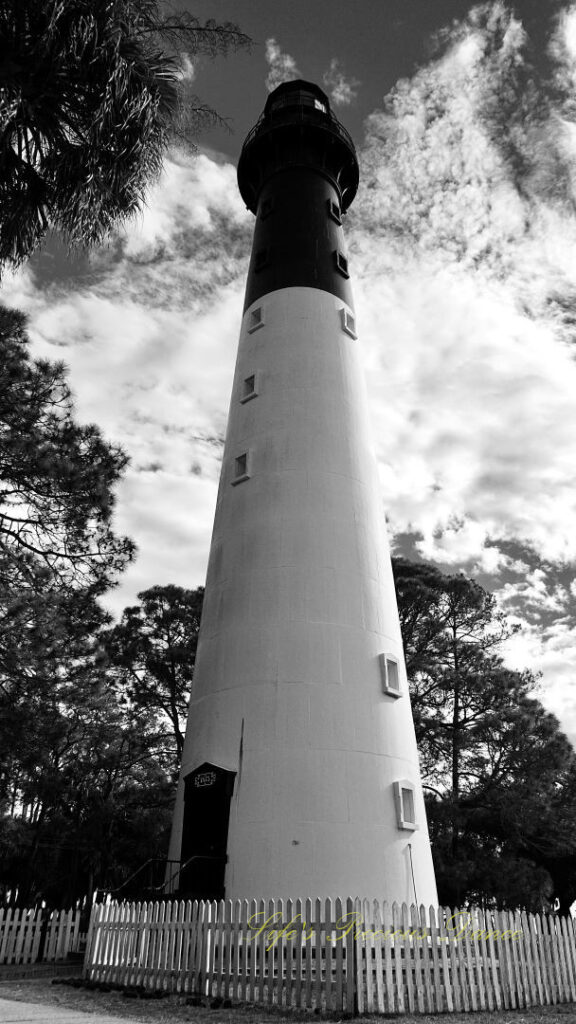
{"x": 261, "y": 259}
{"x": 404, "y": 799}
{"x": 319, "y": 105}
{"x": 241, "y": 468}
{"x": 334, "y": 211}
{"x": 249, "y": 388}
{"x": 390, "y": 674}
{"x": 341, "y": 263}
{"x": 348, "y": 321}
{"x": 408, "y": 812}
{"x": 256, "y": 319}
{"x": 266, "y": 207}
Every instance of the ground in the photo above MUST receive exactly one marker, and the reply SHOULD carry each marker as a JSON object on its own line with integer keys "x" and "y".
{"x": 174, "y": 1009}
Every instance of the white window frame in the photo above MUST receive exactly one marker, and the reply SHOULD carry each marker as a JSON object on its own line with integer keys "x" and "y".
{"x": 261, "y": 259}
{"x": 334, "y": 211}
{"x": 387, "y": 688}
{"x": 341, "y": 262}
{"x": 267, "y": 207}
{"x": 240, "y": 478}
{"x": 348, "y": 322}
{"x": 403, "y": 822}
{"x": 255, "y": 325}
{"x": 251, "y": 394}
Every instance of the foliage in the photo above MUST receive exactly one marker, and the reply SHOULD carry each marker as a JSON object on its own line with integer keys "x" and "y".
{"x": 500, "y": 774}
{"x": 85, "y": 781}
{"x": 56, "y": 478}
{"x": 152, "y": 652}
{"x": 91, "y": 92}
{"x": 68, "y": 751}
{"x": 87, "y": 741}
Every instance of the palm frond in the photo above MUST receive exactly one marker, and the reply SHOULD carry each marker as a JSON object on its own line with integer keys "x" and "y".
{"x": 90, "y": 95}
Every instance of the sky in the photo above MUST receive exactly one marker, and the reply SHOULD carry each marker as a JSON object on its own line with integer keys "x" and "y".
{"x": 462, "y": 253}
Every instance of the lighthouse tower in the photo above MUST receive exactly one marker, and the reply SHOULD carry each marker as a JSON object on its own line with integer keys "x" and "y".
{"x": 300, "y": 771}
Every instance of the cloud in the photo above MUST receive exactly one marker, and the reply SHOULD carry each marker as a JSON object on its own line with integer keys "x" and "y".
{"x": 472, "y": 273}
{"x": 149, "y": 336}
{"x": 461, "y": 245}
{"x": 283, "y": 67}
{"x": 342, "y": 91}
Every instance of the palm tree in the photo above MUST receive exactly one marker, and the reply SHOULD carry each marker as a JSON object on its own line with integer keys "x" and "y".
{"x": 90, "y": 94}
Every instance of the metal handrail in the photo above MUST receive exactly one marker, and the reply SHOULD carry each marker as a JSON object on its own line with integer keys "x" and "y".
{"x": 196, "y": 856}
{"x": 298, "y": 115}
{"x": 168, "y": 882}
{"x": 151, "y": 860}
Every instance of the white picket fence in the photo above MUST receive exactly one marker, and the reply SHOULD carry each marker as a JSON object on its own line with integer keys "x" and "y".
{"x": 21, "y": 934}
{"x": 342, "y": 955}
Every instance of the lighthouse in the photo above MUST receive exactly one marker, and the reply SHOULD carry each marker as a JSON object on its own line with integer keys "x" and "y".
{"x": 300, "y": 772}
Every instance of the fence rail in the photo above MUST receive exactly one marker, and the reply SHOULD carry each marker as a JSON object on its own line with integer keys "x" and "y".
{"x": 343, "y": 955}
{"x": 30, "y": 935}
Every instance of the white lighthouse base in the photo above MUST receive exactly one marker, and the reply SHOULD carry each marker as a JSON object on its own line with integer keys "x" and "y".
{"x": 290, "y": 690}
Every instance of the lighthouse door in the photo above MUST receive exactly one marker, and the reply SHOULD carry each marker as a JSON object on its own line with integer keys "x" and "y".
{"x": 207, "y": 794}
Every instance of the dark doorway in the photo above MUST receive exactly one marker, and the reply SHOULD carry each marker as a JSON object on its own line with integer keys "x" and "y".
{"x": 207, "y": 794}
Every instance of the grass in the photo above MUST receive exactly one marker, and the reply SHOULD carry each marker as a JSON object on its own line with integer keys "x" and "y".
{"x": 173, "y": 1009}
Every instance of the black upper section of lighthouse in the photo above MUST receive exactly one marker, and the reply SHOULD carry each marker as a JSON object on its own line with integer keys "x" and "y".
{"x": 297, "y": 129}
{"x": 298, "y": 173}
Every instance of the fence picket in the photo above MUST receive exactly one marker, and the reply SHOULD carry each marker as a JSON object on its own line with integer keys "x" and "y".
{"x": 145, "y": 938}
{"x": 567, "y": 927}
{"x": 452, "y": 943}
{"x": 243, "y": 935}
{"x": 477, "y": 965}
{"x": 359, "y": 956}
{"x": 367, "y": 950}
{"x": 5, "y": 925}
{"x": 440, "y": 967}
{"x": 318, "y": 953}
{"x": 298, "y": 944}
{"x": 465, "y": 961}
{"x": 492, "y": 970}
{"x": 517, "y": 938}
{"x": 19, "y": 937}
{"x": 351, "y": 981}
{"x": 563, "y": 960}
{"x": 525, "y": 953}
{"x": 548, "y": 944}
{"x": 408, "y": 963}
{"x": 173, "y": 942}
{"x": 398, "y": 965}
{"x": 386, "y": 944}
{"x": 280, "y": 950}
{"x": 416, "y": 954}
{"x": 86, "y": 969}
{"x": 550, "y": 940}
{"x": 288, "y": 954}
{"x": 426, "y": 957}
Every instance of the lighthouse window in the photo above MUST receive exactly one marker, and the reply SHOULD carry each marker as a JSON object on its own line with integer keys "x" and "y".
{"x": 334, "y": 211}
{"x": 405, "y": 805}
{"x": 266, "y": 207}
{"x": 320, "y": 106}
{"x": 348, "y": 322}
{"x": 341, "y": 263}
{"x": 261, "y": 259}
{"x": 256, "y": 319}
{"x": 249, "y": 388}
{"x": 390, "y": 674}
{"x": 241, "y": 468}
{"x": 408, "y": 805}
